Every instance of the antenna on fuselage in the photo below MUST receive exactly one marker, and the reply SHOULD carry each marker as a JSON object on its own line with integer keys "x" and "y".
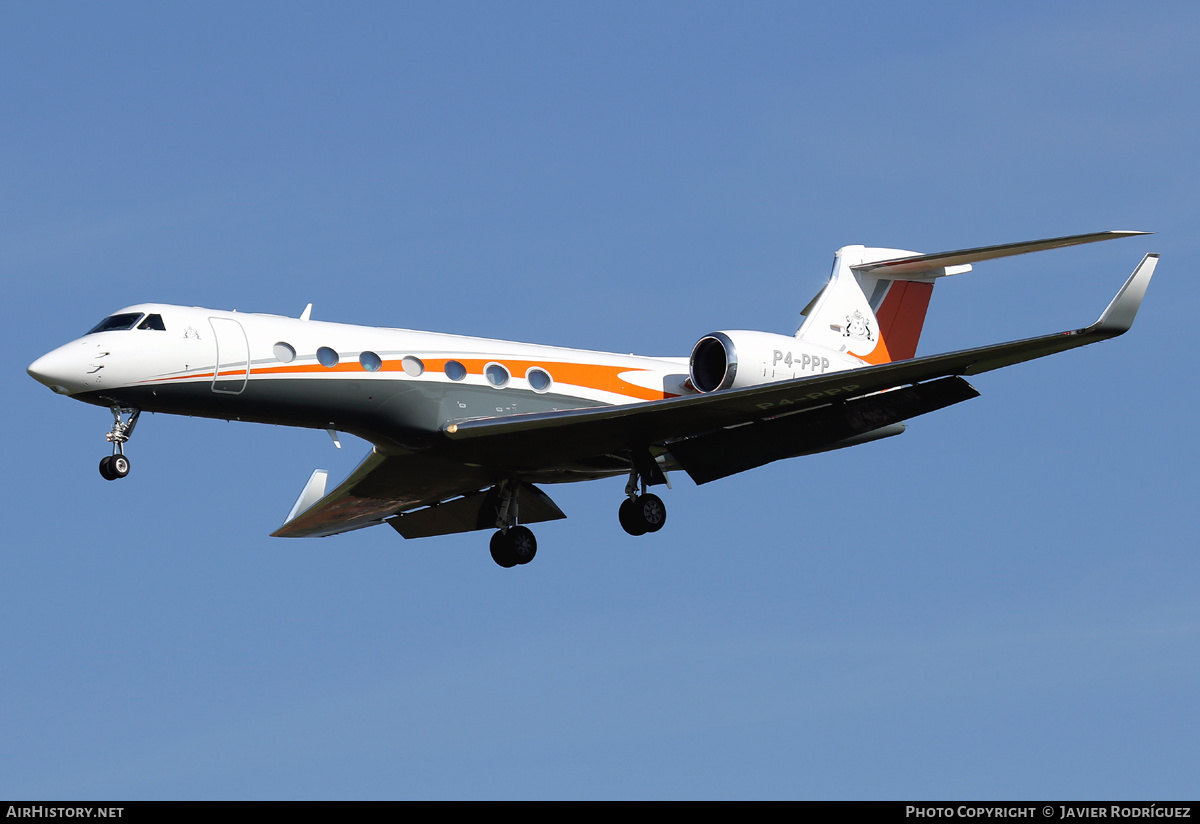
{"x": 306, "y": 313}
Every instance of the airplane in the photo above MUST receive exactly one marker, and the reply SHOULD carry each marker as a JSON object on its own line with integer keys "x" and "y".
{"x": 464, "y": 429}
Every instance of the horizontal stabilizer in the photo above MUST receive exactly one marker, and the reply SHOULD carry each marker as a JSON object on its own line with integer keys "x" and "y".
{"x": 917, "y": 266}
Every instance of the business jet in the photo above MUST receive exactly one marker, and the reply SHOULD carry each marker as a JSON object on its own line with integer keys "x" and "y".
{"x": 464, "y": 429}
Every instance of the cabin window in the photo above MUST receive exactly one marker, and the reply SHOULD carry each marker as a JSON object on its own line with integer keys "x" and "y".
{"x": 116, "y": 323}
{"x": 413, "y": 367}
{"x": 370, "y": 361}
{"x": 154, "y": 322}
{"x": 327, "y": 357}
{"x": 455, "y": 371}
{"x": 539, "y": 379}
{"x": 496, "y": 375}
{"x": 284, "y": 352}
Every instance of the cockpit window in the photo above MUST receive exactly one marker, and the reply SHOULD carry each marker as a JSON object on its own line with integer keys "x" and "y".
{"x": 116, "y": 323}
{"x": 153, "y": 322}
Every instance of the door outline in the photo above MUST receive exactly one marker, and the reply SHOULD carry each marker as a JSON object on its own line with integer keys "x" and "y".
{"x": 233, "y": 356}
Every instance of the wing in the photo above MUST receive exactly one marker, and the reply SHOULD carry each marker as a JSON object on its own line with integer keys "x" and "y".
{"x": 710, "y": 435}
{"x": 378, "y": 488}
{"x": 572, "y": 434}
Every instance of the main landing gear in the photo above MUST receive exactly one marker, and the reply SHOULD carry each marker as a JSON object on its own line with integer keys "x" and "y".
{"x": 641, "y": 513}
{"x": 117, "y": 465}
{"x": 512, "y": 545}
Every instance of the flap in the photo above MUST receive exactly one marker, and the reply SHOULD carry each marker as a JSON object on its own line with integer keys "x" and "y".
{"x": 475, "y": 511}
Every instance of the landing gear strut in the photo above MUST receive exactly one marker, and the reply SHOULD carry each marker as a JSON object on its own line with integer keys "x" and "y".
{"x": 511, "y": 545}
{"x": 641, "y": 512}
{"x": 117, "y": 465}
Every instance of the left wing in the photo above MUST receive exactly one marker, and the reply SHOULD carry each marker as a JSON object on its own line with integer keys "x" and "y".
{"x": 383, "y": 486}
{"x": 711, "y": 435}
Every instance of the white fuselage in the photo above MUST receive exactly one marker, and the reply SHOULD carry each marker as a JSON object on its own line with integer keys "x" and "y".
{"x": 385, "y": 384}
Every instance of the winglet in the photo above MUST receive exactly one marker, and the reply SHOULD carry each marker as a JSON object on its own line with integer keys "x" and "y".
{"x": 314, "y": 491}
{"x": 1118, "y": 317}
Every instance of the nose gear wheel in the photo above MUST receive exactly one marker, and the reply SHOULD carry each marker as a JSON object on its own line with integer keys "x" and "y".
{"x": 116, "y": 466}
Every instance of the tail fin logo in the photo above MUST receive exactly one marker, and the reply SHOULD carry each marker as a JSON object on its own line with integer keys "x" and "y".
{"x": 858, "y": 326}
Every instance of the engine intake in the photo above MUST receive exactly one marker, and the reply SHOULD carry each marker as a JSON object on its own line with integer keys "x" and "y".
{"x": 713, "y": 364}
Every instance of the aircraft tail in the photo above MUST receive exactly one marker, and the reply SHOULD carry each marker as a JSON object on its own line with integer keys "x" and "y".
{"x": 875, "y": 302}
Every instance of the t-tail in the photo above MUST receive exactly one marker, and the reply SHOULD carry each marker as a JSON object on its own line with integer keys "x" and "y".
{"x": 875, "y": 302}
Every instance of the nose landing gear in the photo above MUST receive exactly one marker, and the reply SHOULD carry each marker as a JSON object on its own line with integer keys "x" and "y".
{"x": 117, "y": 465}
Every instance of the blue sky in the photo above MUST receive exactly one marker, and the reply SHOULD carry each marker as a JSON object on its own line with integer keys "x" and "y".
{"x": 999, "y": 604}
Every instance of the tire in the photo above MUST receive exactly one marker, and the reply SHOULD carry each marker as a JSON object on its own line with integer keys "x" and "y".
{"x": 105, "y": 468}
{"x": 629, "y": 518}
{"x": 502, "y": 551}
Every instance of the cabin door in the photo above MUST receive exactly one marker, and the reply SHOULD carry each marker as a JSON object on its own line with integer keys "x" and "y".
{"x": 233, "y": 356}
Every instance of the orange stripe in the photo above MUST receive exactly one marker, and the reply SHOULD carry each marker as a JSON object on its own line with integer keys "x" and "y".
{"x": 585, "y": 375}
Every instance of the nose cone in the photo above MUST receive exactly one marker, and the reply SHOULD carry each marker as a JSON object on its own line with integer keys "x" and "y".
{"x": 60, "y": 370}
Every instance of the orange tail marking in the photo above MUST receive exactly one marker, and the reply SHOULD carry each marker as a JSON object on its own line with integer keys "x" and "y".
{"x": 901, "y": 317}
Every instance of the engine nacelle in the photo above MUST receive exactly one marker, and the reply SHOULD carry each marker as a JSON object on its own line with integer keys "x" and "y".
{"x": 730, "y": 360}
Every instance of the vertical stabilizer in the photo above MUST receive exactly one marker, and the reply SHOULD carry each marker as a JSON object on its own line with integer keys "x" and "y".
{"x": 874, "y": 304}
{"x": 871, "y": 314}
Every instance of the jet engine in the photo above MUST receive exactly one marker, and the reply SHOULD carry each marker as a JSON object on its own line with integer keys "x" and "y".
{"x": 733, "y": 359}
